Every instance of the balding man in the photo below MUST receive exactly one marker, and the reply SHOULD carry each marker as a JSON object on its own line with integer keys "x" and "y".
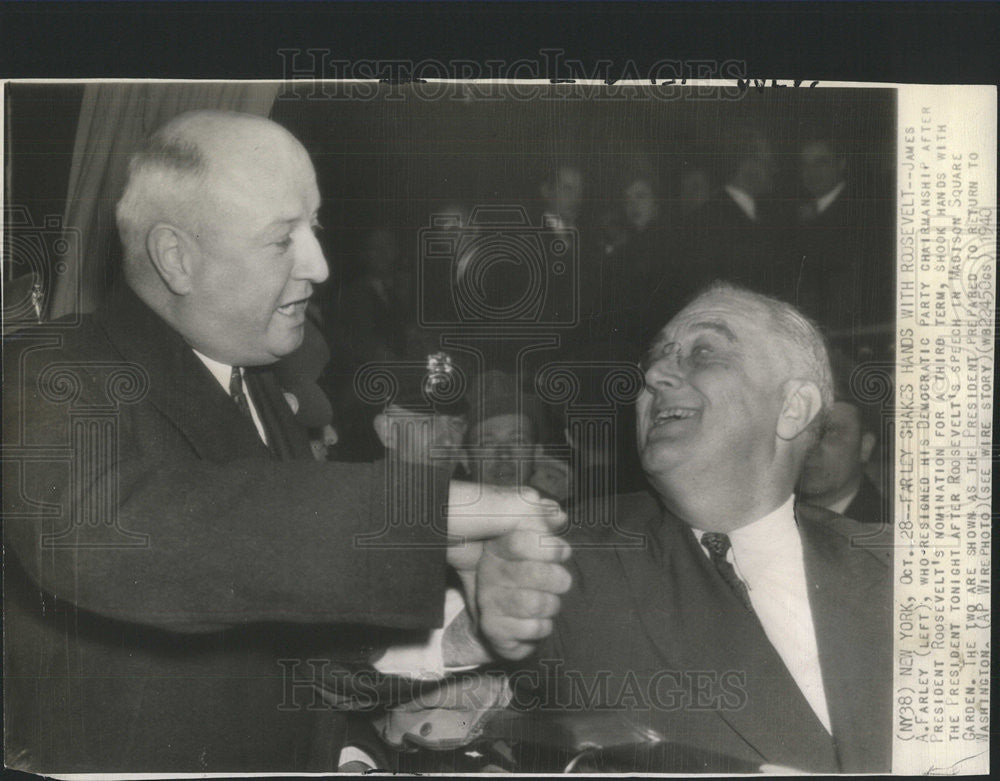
{"x": 173, "y": 588}
{"x": 753, "y": 629}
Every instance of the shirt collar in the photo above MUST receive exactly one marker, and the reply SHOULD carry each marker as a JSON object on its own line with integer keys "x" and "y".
{"x": 222, "y": 373}
{"x": 772, "y": 533}
{"x": 842, "y": 504}
{"x": 744, "y": 200}
{"x": 768, "y": 548}
{"x": 765, "y": 533}
{"x": 824, "y": 203}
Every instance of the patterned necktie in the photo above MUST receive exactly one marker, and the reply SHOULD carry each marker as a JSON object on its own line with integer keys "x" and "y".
{"x": 718, "y": 545}
{"x": 237, "y": 392}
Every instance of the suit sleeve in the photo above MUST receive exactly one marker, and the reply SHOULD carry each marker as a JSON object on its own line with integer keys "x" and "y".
{"x": 153, "y": 534}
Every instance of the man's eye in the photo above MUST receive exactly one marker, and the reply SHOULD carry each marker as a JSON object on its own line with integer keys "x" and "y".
{"x": 285, "y": 243}
{"x": 316, "y": 227}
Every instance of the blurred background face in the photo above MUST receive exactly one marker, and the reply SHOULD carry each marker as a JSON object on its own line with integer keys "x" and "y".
{"x": 835, "y": 465}
{"x": 381, "y": 254}
{"x": 695, "y": 189}
{"x": 758, "y": 169}
{"x": 258, "y": 257}
{"x": 565, "y": 193}
{"x": 640, "y": 204}
{"x": 502, "y": 440}
{"x": 820, "y": 169}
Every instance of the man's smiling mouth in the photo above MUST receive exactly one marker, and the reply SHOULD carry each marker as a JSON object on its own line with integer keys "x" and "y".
{"x": 671, "y": 414}
{"x": 294, "y": 308}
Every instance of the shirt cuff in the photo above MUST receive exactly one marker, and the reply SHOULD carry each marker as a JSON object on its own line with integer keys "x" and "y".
{"x": 424, "y": 660}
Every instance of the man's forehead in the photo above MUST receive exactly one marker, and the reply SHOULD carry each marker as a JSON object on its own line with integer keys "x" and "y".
{"x": 817, "y": 152}
{"x": 725, "y": 316}
{"x": 506, "y": 422}
{"x": 262, "y": 179}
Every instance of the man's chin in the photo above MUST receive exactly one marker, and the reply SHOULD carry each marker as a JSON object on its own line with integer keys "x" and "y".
{"x": 661, "y": 454}
{"x": 279, "y": 348}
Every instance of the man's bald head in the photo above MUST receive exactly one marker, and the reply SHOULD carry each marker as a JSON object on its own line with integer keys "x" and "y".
{"x": 182, "y": 164}
{"x": 218, "y": 223}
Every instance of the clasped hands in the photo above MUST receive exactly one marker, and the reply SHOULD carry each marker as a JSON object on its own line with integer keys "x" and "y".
{"x": 505, "y": 542}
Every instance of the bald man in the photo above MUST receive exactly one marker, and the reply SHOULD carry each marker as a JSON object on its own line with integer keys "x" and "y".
{"x": 176, "y": 585}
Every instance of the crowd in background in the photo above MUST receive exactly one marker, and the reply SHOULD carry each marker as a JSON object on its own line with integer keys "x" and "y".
{"x": 601, "y": 272}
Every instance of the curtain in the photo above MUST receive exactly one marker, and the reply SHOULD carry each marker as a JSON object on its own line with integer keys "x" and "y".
{"x": 114, "y": 117}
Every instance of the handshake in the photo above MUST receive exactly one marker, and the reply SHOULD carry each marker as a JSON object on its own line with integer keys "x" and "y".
{"x": 510, "y": 561}
{"x": 504, "y": 545}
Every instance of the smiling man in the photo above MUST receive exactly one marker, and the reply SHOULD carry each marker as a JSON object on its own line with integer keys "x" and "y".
{"x": 753, "y": 629}
{"x": 179, "y": 567}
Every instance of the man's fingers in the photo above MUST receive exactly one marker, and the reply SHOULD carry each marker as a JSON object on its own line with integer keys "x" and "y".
{"x": 534, "y": 575}
{"x": 513, "y": 650}
{"x": 480, "y": 512}
{"x": 516, "y": 603}
{"x": 545, "y": 516}
{"x": 503, "y": 629}
{"x": 521, "y": 545}
{"x": 528, "y": 603}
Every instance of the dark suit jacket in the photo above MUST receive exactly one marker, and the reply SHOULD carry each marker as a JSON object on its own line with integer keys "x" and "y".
{"x": 656, "y": 632}
{"x": 866, "y": 506}
{"x": 723, "y": 243}
{"x": 186, "y": 562}
{"x": 843, "y": 262}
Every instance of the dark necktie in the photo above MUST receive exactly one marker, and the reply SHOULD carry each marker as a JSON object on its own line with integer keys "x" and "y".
{"x": 718, "y": 545}
{"x": 237, "y": 392}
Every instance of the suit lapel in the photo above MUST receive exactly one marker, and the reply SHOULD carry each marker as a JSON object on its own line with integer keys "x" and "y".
{"x": 850, "y": 598}
{"x": 181, "y": 386}
{"x": 286, "y": 437}
{"x": 696, "y": 622}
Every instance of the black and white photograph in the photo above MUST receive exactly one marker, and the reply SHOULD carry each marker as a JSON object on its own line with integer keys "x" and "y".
{"x": 458, "y": 424}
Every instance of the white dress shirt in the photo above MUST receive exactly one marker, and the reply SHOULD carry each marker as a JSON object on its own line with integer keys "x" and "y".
{"x": 767, "y": 555}
{"x": 744, "y": 200}
{"x": 824, "y": 203}
{"x": 842, "y": 504}
{"x": 223, "y": 374}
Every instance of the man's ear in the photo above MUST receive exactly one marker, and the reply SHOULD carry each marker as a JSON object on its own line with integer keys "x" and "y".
{"x": 867, "y": 445}
{"x": 172, "y": 254}
{"x": 383, "y": 429}
{"x": 803, "y": 402}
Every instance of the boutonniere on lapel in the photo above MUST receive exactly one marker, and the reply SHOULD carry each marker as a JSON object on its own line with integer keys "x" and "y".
{"x": 440, "y": 374}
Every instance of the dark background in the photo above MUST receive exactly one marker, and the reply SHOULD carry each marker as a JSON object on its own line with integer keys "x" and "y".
{"x": 392, "y": 159}
{"x": 918, "y": 42}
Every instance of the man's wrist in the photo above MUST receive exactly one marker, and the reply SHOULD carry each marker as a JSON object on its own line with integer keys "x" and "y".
{"x": 461, "y": 646}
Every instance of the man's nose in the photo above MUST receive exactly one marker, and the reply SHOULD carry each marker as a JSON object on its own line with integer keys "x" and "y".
{"x": 310, "y": 262}
{"x": 665, "y": 372}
